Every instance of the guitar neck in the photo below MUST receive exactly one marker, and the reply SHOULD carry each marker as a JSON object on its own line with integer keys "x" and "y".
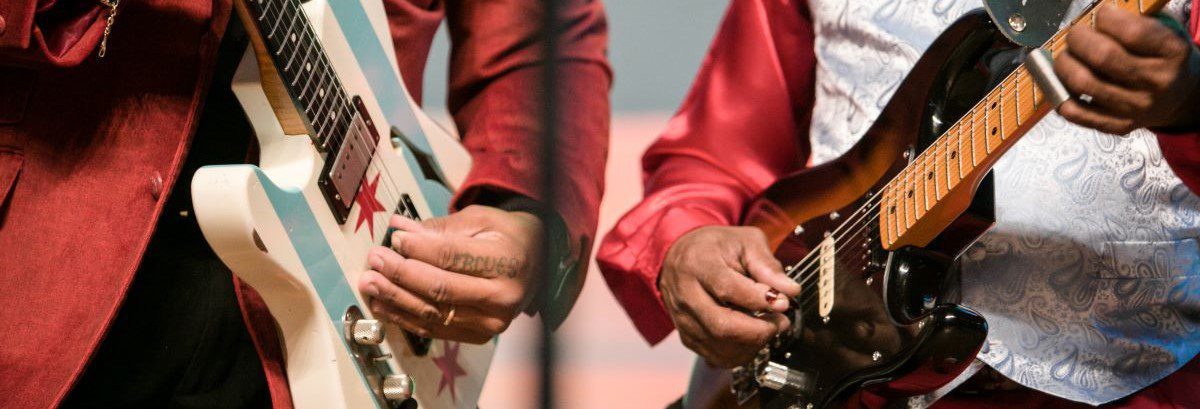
{"x": 915, "y": 206}
{"x": 290, "y": 43}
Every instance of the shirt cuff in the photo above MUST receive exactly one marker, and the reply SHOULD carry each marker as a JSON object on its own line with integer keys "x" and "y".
{"x": 631, "y": 259}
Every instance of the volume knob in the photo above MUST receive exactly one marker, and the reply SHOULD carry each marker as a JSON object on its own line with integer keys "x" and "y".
{"x": 784, "y": 379}
{"x": 397, "y": 387}
{"x": 367, "y": 332}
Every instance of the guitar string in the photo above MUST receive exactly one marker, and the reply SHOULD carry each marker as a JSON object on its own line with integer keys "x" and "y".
{"x": 806, "y": 296}
{"x": 804, "y": 267}
{"x": 391, "y": 191}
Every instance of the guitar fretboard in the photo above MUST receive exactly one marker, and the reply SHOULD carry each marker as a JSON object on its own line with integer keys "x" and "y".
{"x": 304, "y": 67}
{"x": 970, "y": 147}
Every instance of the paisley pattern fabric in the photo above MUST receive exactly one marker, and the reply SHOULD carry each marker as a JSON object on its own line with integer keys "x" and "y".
{"x": 1090, "y": 279}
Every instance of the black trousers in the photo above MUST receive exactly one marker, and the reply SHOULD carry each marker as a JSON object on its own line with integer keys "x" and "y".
{"x": 179, "y": 340}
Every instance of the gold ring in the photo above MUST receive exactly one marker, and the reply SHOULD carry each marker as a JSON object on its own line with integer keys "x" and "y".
{"x": 449, "y": 316}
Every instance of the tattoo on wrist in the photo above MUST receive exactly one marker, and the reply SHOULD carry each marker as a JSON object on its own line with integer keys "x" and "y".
{"x": 478, "y": 265}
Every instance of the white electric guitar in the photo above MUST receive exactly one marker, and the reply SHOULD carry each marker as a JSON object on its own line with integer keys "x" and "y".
{"x": 343, "y": 147}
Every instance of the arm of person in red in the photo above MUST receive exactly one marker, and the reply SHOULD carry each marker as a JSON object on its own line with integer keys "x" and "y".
{"x": 467, "y": 275}
{"x": 494, "y": 77}
{"x": 742, "y": 126}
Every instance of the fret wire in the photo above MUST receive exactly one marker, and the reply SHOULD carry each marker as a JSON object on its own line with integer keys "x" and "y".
{"x": 1017, "y": 113}
{"x": 936, "y": 159}
{"x": 926, "y": 165}
{"x": 1001, "y": 107}
{"x": 264, "y": 6}
{"x": 960, "y": 153}
{"x": 271, "y": 33}
{"x": 974, "y": 160}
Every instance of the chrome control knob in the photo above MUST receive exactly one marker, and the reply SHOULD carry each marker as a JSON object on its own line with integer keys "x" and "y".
{"x": 366, "y": 332}
{"x": 397, "y": 387}
{"x": 784, "y": 379}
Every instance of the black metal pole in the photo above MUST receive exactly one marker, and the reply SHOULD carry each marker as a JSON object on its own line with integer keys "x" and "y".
{"x": 549, "y": 139}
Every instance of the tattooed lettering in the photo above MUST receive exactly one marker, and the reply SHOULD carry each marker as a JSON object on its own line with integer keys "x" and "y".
{"x": 481, "y": 265}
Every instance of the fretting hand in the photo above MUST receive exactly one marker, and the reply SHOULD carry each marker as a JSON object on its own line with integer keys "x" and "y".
{"x": 462, "y": 277}
{"x": 1128, "y": 72}
{"x": 725, "y": 292}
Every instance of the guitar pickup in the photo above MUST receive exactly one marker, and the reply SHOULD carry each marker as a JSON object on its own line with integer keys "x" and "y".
{"x": 342, "y": 177}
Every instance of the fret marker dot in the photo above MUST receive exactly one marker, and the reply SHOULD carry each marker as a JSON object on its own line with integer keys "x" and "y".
{"x": 308, "y": 66}
{"x": 930, "y": 177}
{"x": 993, "y": 105}
{"x": 892, "y": 209}
{"x": 293, "y": 37}
{"x": 993, "y": 131}
{"x": 910, "y": 192}
{"x": 321, "y": 91}
{"x": 953, "y": 154}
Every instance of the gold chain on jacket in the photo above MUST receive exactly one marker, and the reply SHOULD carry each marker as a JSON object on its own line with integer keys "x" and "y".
{"x": 108, "y": 24}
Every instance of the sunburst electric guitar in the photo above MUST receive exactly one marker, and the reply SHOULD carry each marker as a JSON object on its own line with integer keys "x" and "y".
{"x": 871, "y": 235}
{"x": 342, "y": 148}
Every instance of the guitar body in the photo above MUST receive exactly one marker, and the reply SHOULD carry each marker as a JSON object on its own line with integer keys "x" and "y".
{"x": 891, "y": 328}
{"x": 274, "y": 226}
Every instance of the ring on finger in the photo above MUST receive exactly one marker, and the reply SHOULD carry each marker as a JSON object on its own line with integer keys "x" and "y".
{"x": 1086, "y": 98}
{"x": 449, "y": 316}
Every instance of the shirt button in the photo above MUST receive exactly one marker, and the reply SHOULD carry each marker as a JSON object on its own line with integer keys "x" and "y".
{"x": 156, "y": 185}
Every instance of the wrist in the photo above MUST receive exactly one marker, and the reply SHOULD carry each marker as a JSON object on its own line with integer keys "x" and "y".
{"x": 552, "y": 294}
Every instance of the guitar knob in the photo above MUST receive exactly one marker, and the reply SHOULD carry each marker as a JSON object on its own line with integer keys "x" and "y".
{"x": 397, "y": 387}
{"x": 367, "y": 332}
{"x": 784, "y": 379}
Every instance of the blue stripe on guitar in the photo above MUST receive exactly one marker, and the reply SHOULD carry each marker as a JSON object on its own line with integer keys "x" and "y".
{"x": 390, "y": 95}
{"x": 315, "y": 254}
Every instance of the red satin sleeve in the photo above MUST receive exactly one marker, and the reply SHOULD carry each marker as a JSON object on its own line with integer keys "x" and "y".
{"x": 1182, "y": 149}
{"x": 743, "y": 125}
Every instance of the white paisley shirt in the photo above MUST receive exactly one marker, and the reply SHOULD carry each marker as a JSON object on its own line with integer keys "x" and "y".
{"x": 1090, "y": 279}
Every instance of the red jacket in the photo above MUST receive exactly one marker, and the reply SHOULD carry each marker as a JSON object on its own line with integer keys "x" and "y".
{"x": 88, "y": 146}
{"x": 757, "y": 83}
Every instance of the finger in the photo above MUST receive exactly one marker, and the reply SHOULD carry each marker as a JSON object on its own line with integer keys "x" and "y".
{"x": 1102, "y": 55}
{"x": 418, "y": 327}
{"x": 1141, "y": 35}
{"x": 693, "y": 336}
{"x": 436, "y": 285}
{"x": 765, "y": 268}
{"x": 464, "y": 255}
{"x": 735, "y": 289}
{"x": 1079, "y": 79}
{"x": 1091, "y": 118}
{"x": 466, "y": 320}
{"x": 469, "y": 221}
{"x": 727, "y": 325}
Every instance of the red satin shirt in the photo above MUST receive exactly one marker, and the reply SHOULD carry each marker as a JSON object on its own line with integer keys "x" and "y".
{"x": 89, "y": 148}
{"x": 743, "y": 125}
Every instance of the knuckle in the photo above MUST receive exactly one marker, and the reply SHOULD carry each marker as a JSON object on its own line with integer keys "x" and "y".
{"x": 720, "y": 328}
{"x": 1107, "y": 54}
{"x": 1142, "y": 103}
{"x": 430, "y": 315}
{"x": 439, "y": 292}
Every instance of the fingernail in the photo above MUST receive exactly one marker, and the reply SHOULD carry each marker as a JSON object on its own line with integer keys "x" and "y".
{"x": 772, "y": 295}
{"x": 396, "y": 238}
{"x": 375, "y": 262}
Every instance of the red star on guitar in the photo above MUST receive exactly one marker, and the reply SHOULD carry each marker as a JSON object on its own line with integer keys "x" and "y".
{"x": 448, "y": 363}
{"x": 368, "y": 205}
